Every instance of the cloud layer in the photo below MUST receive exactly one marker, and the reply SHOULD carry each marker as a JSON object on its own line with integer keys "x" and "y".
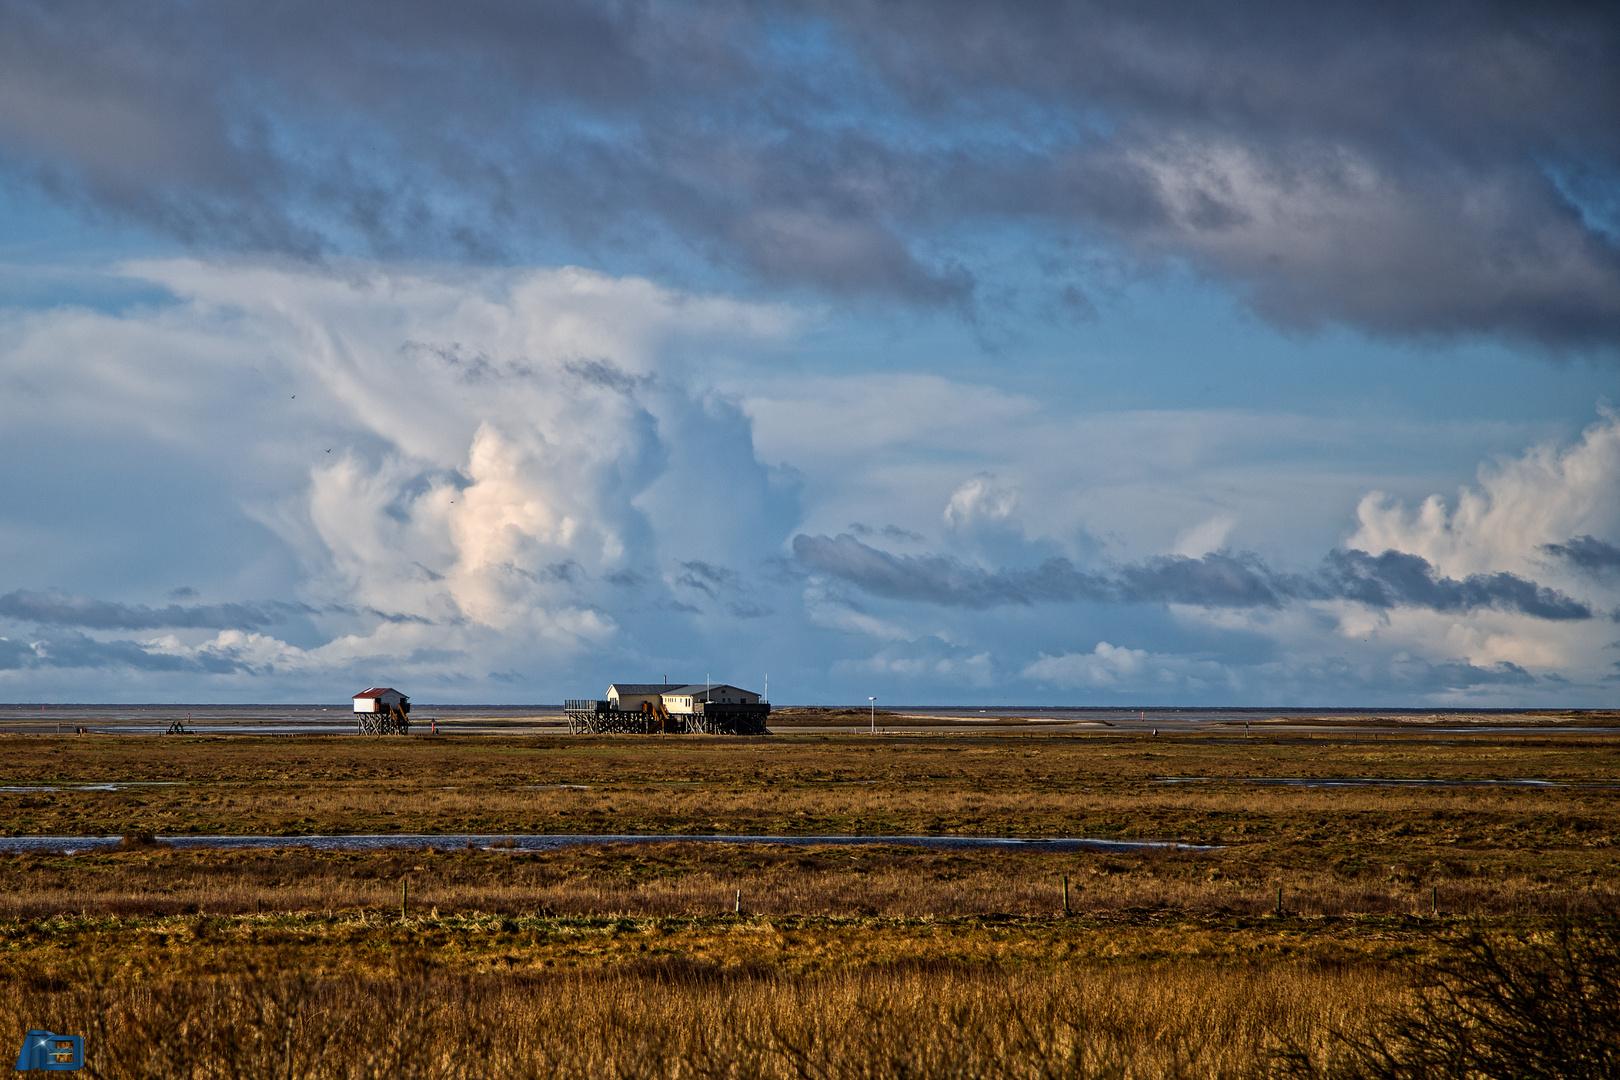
{"x": 1219, "y": 579}
{"x": 519, "y": 485}
{"x": 1407, "y": 171}
{"x": 1022, "y": 351}
{"x": 56, "y": 608}
{"x": 465, "y": 473}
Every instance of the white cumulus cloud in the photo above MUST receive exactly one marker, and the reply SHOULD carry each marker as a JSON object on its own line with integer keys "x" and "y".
{"x": 1549, "y": 494}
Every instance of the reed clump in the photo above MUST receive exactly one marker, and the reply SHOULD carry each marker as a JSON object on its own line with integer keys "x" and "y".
{"x": 678, "y": 1019}
{"x": 1542, "y": 1002}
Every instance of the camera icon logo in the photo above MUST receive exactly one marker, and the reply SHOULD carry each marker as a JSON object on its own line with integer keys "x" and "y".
{"x": 50, "y": 1052}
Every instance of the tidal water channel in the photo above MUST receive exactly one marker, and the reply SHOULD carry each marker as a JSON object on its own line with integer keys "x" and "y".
{"x": 518, "y": 843}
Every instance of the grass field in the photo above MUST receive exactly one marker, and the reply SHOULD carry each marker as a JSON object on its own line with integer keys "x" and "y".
{"x": 615, "y": 960}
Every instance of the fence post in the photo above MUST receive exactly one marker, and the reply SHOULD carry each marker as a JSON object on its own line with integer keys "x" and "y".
{"x": 1065, "y": 894}
{"x": 1434, "y": 899}
{"x": 405, "y": 898}
{"x": 1279, "y": 901}
{"x": 738, "y": 909}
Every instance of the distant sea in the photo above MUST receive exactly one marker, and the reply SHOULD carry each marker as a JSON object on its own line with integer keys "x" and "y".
{"x": 312, "y": 719}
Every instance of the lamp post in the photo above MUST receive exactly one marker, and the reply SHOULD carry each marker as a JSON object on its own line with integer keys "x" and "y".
{"x": 873, "y": 700}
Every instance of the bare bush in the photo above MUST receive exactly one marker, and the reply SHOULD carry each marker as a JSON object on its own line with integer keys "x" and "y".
{"x": 1493, "y": 1008}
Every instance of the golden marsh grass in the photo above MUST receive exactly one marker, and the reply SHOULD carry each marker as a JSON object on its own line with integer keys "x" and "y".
{"x": 664, "y": 1018}
{"x": 880, "y": 961}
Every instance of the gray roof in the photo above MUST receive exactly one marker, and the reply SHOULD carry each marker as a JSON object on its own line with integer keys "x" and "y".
{"x": 698, "y": 689}
{"x": 670, "y": 688}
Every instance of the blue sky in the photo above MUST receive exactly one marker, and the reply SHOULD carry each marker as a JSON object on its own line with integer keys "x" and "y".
{"x": 1050, "y": 353}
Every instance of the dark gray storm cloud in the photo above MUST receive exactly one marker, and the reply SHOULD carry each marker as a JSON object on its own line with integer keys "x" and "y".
{"x": 940, "y": 579}
{"x": 55, "y": 608}
{"x": 1426, "y": 168}
{"x": 1422, "y": 675}
{"x": 1397, "y": 579}
{"x": 75, "y": 650}
{"x": 1219, "y": 579}
{"x": 1215, "y": 580}
{"x": 707, "y": 578}
{"x": 1587, "y": 553}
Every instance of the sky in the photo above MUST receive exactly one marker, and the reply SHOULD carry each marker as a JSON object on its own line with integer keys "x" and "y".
{"x": 954, "y": 353}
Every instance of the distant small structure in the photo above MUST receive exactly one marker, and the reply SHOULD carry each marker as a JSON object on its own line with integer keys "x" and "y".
{"x": 382, "y": 710}
{"x": 670, "y": 708}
